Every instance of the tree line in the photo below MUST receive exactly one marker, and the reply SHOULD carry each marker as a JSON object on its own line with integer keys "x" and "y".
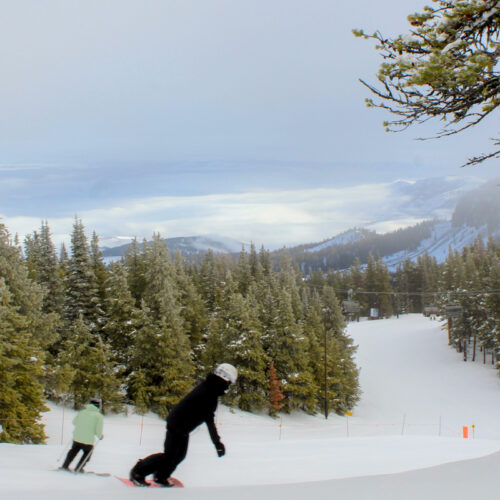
{"x": 143, "y": 330}
{"x": 469, "y": 280}
{"x": 342, "y": 256}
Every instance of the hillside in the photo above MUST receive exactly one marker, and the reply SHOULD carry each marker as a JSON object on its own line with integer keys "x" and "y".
{"x": 404, "y": 437}
{"x": 187, "y": 245}
{"x": 476, "y": 214}
{"x": 453, "y": 211}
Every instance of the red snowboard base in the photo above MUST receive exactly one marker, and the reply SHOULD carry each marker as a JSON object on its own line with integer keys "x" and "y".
{"x": 175, "y": 483}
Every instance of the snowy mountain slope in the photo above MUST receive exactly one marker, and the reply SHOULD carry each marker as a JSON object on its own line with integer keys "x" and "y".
{"x": 443, "y": 238}
{"x": 187, "y": 245}
{"x": 350, "y": 236}
{"x": 452, "y": 213}
{"x": 412, "y": 201}
{"x": 417, "y": 395}
{"x": 429, "y": 198}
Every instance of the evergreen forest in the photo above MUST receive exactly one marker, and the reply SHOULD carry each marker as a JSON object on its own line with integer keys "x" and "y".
{"x": 143, "y": 330}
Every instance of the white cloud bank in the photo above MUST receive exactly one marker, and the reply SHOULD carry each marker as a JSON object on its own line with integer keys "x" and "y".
{"x": 272, "y": 218}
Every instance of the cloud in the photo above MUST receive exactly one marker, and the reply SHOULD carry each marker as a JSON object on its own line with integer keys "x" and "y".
{"x": 270, "y": 217}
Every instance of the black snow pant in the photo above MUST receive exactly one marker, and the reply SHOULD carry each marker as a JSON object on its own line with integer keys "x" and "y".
{"x": 162, "y": 465}
{"x": 87, "y": 450}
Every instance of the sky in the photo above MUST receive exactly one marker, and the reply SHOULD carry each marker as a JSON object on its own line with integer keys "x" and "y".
{"x": 204, "y": 117}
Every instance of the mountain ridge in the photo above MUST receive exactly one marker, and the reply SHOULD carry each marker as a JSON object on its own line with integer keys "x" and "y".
{"x": 472, "y": 213}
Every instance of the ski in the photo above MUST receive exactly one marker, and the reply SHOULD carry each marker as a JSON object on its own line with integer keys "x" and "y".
{"x": 101, "y": 474}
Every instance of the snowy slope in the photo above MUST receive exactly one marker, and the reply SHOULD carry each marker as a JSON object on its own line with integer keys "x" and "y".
{"x": 350, "y": 236}
{"x": 187, "y": 245}
{"x": 443, "y": 238}
{"x": 417, "y": 395}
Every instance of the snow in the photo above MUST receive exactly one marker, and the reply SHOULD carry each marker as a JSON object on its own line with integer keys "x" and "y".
{"x": 402, "y": 441}
{"x": 443, "y": 237}
{"x": 453, "y": 45}
{"x": 350, "y": 236}
{"x": 114, "y": 241}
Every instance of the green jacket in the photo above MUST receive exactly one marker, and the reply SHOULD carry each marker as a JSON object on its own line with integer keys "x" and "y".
{"x": 88, "y": 425}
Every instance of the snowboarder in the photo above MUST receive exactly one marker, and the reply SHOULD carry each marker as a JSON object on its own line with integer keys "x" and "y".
{"x": 195, "y": 408}
{"x": 88, "y": 425}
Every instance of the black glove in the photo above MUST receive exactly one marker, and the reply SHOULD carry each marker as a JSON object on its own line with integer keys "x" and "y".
{"x": 221, "y": 449}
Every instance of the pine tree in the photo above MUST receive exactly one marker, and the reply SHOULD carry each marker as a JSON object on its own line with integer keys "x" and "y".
{"x": 489, "y": 329}
{"x": 276, "y": 395}
{"x": 93, "y": 371}
{"x": 384, "y": 289}
{"x": 215, "y": 343}
{"x": 342, "y": 374}
{"x": 243, "y": 273}
{"x": 287, "y": 347}
{"x": 209, "y": 280}
{"x": 161, "y": 369}
{"x": 63, "y": 262}
{"x": 314, "y": 327}
{"x": 26, "y": 294}
{"x": 265, "y": 261}
{"x": 256, "y": 268}
{"x": 162, "y": 352}
{"x": 119, "y": 328}
{"x": 289, "y": 279}
{"x": 135, "y": 263}
{"x": 31, "y": 250}
{"x": 192, "y": 309}
{"x": 371, "y": 282}
{"x": 100, "y": 275}
{"x": 21, "y": 367}
{"x": 81, "y": 290}
{"x": 43, "y": 267}
{"x": 241, "y": 339}
{"x": 358, "y": 284}
{"x": 446, "y": 67}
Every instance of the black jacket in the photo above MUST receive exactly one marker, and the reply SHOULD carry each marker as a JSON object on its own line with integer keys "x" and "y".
{"x": 197, "y": 407}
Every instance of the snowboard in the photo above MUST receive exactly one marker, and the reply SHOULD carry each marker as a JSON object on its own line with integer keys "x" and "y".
{"x": 173, "y": 481}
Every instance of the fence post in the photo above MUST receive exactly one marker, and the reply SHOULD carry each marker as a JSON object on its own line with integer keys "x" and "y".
{"x": 403, "y": 426}
{"x": 142, "y": 427}
{"x": 62, "y": 425}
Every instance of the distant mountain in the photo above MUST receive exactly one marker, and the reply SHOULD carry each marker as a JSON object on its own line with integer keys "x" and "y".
{"x": 187, "y": 245}
{"x": 476, "y": 214}
{"x": 443, "y": 237}
{"x": 454, "y": 211}
{"x": 434, "y": 197}
{"x": 347, "y": 237}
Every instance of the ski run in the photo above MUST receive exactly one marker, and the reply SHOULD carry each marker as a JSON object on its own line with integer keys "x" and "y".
{"x": 404, "y": 439}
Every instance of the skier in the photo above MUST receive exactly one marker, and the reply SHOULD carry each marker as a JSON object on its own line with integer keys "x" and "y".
{"x": 195, "y": 408}
{"x": 88, "y": 425}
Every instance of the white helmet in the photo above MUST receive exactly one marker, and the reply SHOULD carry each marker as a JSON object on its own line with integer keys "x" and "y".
{"x": 227, "y": 372}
